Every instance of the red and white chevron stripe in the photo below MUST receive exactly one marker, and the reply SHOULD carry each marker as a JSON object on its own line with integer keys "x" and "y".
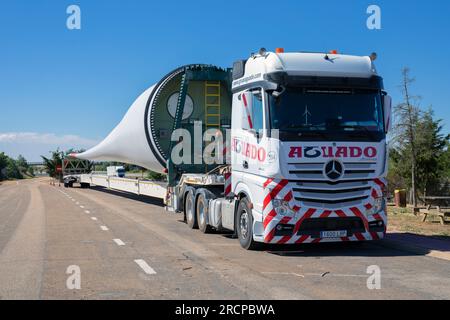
{"x": 227, "y": 186}
{"x": 281, "y": 189}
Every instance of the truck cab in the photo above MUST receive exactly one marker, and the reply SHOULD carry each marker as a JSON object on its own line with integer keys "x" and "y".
{"x": 115, "y": 171}
{"x": 309, "y": 153}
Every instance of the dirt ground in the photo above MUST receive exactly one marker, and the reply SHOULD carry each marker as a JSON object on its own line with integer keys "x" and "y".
{"x": 402, "y": 219}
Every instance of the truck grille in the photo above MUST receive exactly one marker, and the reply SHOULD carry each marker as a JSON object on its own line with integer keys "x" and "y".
{"x": 312, "y": 188}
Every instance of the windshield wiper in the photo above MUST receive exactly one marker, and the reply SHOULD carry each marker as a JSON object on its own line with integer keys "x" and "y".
{"x": 316, "y": 130}
{"x": 301, "y": 126}
{"x": 313, "y": 133}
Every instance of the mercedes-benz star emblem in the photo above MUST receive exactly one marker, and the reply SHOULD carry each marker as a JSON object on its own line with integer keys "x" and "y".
{"x": 334, "y": 170}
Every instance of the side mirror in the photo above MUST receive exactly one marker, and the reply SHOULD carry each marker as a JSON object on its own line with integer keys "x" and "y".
{"x": 387, "y": 107}
{"x": 255, "y": 133}
{"x": 278, "y": 92}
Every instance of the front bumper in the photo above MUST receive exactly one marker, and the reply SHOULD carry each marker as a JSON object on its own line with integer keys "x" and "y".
{"x": 309, "y": 230}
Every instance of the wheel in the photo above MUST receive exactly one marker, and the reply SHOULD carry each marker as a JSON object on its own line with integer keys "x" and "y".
{"x": 202, "y": 210}
{"x": 70, "y": 184}
{"x": 189, "y": 210}
{"x": 66, "y": 185}
{"x": 244, "y": 226}
{"x": 85, "y": 185}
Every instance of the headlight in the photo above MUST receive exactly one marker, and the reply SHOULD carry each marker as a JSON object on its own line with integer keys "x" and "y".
{"x": 281, "y": 207}
{"x": 378, "y": 205}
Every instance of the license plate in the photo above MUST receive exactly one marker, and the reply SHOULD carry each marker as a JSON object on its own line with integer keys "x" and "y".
{"x": 333, "y": 234}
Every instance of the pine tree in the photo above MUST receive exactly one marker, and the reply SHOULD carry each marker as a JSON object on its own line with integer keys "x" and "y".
{"x": 430, "y": 146}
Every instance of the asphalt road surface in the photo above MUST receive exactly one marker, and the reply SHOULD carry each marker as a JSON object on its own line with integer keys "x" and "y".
{"x": 58, "y": 243}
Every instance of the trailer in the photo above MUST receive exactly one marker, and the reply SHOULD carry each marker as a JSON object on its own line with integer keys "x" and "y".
{"x": 282, "y": 148}
{"x": 136, "y": 186}
{"x": 72, "y": 170}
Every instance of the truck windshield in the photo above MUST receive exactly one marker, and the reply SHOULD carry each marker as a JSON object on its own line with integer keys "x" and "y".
{"x": 331, "y": 114}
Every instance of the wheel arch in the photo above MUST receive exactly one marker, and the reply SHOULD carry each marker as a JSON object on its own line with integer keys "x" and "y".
{"x": 242, "y": 191}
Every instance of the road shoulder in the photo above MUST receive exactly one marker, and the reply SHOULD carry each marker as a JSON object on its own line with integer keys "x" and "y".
{"x": 21, "y": 261}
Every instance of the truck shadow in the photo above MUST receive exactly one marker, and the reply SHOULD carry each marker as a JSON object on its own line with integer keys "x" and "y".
{"x": 365, "y": 249}
{"x": 395, "y": 244}
{"x": 131, "y": 196}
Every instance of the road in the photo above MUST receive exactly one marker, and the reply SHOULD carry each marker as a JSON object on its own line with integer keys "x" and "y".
{"x": 128, "y": 247}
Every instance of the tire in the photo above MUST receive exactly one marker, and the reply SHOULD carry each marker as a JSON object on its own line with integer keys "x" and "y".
{"x": 244, "y": 226}
{"x": 202, "y": 210}
{"x": 85, "y": 185}
{"x": 70, "y": 184}
{"x": 189, "y": 209}
{"x": 66, "y": 185}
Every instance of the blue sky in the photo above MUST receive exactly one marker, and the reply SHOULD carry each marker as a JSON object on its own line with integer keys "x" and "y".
{"x": 61, "y": 87}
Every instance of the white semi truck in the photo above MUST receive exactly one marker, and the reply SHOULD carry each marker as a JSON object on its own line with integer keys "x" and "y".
{"x": 115, "y": 171}
{"x": 306, "y": 160}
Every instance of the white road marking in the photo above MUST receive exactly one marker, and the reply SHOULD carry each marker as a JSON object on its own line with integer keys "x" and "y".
{"x": 144, "y": 266}
{"x": 119, "y": 242}
{"x": 87, "y": 211}
{"x": 284, "y": 274}
{"x": 104, "y": 228}
{"x": 325, "y": 274}
{"x": 94, "y": 218}
{"x": 73, "y": 200}
{"x": 82, "y": 207}
{"x": 335, "y": 275}
{"x": 77, "y": 203}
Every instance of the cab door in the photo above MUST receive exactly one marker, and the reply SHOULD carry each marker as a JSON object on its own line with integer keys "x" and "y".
{"x": 247, "y": 130}
{"x": 256, "y": 151}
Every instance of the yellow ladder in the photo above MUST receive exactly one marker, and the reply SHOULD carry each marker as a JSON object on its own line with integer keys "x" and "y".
{"x": 212, "y": 104}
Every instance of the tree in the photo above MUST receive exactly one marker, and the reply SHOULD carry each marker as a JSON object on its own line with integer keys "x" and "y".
{"x": 430, "y": 145}
{"x": 419, "y": 157}
{"x": 3, "y": 163}
{"x": 445, "y": 160}
{"x": 395, "y": 175}
{"x": 407, "y": 115}
{"x": 22, "y": 164}
{"x": 53, "y": 162}
{"x": 12, "y": 170}
{"x": 154, "y": 176}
